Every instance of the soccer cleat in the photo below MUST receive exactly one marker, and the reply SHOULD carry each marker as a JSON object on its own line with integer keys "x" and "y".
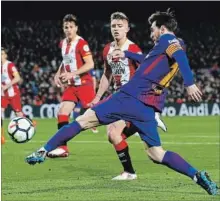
{"x": 137, "y": 134}
{"x": 61, "y": 152}
{"x": 160, "y": 123}
{"x": 2, "y": 136}
{"x": 94, "y": 130}
{"x": 206, "y": 183}
{"x": 34, "y": 123}
{"x": 2, "y": 140}
{"x": 36, "y": 157}
{"x": 125, "y": 176}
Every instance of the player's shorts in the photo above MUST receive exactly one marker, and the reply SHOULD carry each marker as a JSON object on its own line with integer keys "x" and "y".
{"x": 14, "y": 101}
{"x": 125, "y": 107}
{"x": 83, "y": 94}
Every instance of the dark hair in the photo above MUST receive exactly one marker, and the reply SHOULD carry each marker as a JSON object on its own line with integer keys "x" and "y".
{"x": 119, "y": 16}
{"x": 70, "y": 18}
{"x": 164, "y": 18}
{"x": 3, "y": 49}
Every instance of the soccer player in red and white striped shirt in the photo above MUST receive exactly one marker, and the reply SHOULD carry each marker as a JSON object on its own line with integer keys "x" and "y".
{"x": 75, "y": 67}
{"x": 10, "y": 92}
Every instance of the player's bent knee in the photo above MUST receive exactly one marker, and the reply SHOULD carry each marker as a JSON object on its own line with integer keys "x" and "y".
{"x": 111, "y": 137}
{"x": 156, "y": 154}
{"x": 88, "y": 119}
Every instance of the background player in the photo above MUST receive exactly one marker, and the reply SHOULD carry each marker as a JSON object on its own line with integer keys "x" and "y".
{"x": 10, "y": 92}
{"x": 120, "y": 72}
{"x": 144, "y": 92}
{"x": 76, "y": 64}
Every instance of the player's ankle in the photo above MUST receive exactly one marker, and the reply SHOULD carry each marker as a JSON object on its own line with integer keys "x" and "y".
{"x": 130, "y": 171}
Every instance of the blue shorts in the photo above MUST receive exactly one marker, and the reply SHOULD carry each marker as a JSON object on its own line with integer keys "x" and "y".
{"x": 122, "y": 106}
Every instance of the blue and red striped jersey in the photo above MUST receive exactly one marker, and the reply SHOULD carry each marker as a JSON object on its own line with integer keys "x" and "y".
{"x": 157, "y": 69}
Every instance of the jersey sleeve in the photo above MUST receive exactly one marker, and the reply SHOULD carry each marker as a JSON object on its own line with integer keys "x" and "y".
{"x": 174, "y": 49}
{"x": 170, "y": 44}
{"x": 12, "y": 69}
{"x": 135, "y": 49}
{"x": 104, "y": 56}
{"x": 84, "y": 48}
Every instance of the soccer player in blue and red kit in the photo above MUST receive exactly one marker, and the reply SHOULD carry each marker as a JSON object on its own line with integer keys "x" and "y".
{"x": 137, "y": 101}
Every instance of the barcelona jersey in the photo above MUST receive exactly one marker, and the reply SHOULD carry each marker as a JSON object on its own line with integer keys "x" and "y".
{"x": 150, "y": 81}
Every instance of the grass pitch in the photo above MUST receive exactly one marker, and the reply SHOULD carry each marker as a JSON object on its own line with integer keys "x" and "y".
{"x": 86, "y": 174}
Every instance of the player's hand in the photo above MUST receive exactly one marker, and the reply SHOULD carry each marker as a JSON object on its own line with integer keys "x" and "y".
{"x": 194, "y": 93}
{"x": 117, "y": 54}
{"x": 94, "y": 101}
{"x": 58, "y": 81}
{"x": 66, "y": 76}
{"x": 5, "y": 87}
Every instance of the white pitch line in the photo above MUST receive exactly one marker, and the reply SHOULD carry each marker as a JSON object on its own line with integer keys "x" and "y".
{"x": 193, "y": 133}
{"x": 193, "y": 136}
{"x": 130, "y": 142}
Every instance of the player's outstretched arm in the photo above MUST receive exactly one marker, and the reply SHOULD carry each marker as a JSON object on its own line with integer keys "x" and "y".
{"x": 192, "y": 90}
{"x": 134, "y": 56}
{"x": 116, "y": 54}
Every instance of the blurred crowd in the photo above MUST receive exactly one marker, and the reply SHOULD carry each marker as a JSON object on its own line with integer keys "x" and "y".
{"x": 33, "y": 47}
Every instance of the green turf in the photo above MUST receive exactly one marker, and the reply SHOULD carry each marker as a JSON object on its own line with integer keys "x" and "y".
{"x": 87, "y": 173}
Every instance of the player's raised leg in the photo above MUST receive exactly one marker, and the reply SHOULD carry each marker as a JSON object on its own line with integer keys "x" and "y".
{"x": 104, "y": 113}
{"x": 78, "y": 110}
{"x": 66, "y": 133}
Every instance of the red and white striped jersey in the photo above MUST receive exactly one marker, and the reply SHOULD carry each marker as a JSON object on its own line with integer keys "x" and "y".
{"x": 123, "y": 69}
{"x": 73, "y": 54}
{"x": 8, "y": 70}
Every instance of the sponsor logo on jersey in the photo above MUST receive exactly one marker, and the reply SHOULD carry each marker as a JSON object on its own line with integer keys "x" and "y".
{"x": 173, "y": 41}
{"x": 117, "y": 68}
{"x": 67, "y": 59}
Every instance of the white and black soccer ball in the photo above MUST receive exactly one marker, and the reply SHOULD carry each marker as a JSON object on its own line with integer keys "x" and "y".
{"x": 21, "y": 129}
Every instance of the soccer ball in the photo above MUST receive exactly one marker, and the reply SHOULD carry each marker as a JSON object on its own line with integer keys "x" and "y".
{"x": 21, "y": 129}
